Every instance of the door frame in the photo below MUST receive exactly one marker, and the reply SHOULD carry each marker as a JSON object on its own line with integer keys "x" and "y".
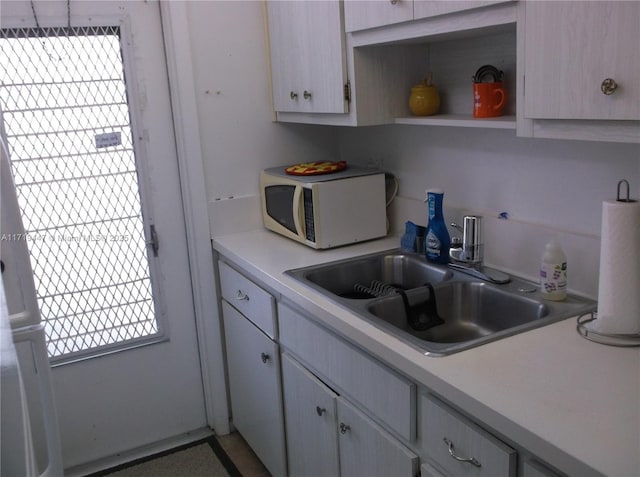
{"x": 177, "y": 40}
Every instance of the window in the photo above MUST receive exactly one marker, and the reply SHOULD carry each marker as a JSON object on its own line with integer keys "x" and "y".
{"x": 64, "y": 103}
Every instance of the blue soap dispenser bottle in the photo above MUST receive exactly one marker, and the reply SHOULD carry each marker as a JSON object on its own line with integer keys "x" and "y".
{"x": 437, "y": 240}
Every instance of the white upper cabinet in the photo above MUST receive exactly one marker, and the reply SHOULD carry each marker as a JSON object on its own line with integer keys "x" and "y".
{"x": 308, "y": 65}
{"x": 360, "y": 15}
{"x": 431, "y": 8}
{"x": 576, "y": 53}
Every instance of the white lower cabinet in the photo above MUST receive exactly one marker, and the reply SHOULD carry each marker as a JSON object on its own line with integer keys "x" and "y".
{"x": 345, "y": 412}
{"x": 352, "y": 372}
{"x": 460, "y": 447}
{"x": 253, "y": 364}
{"x": 310, "y": 416}
{"x": 328, "y": 436}
{"x": 367, "y": 449}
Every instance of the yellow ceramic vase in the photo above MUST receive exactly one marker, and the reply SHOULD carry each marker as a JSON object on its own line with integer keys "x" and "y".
{"x": 424, "y": 99}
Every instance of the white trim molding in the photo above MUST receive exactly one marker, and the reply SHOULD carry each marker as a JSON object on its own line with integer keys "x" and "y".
{"x": 190, "y": 162}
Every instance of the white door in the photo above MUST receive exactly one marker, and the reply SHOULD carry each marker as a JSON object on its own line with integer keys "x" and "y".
{"x": 148, "y": 386}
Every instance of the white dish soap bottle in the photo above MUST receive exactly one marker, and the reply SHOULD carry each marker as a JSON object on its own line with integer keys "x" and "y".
{"x": 553, "y": 272}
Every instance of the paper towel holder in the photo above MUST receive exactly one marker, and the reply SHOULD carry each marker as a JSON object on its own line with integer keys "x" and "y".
{"x": 624, "y": 340}
{"x": 612, "y": 339}
{"x": 627, "y": 199}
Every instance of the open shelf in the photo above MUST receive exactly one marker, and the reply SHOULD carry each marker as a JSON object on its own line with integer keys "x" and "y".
{"x": 460, "y": 120}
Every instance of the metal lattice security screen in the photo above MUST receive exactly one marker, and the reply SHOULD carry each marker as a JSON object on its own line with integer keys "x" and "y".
{"x": 65, "y": 111}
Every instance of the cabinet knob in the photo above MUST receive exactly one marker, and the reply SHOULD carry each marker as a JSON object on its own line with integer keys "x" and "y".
{"x": 242, "y": 296}
{"x": 394, "y": 2}
{"x": 306, "y": 94}
{"x": 608, "y": 86}
{"x": 320, "y": 410}
{"x": 265, "y": 357}
{"x": 293, "y": 95}
{"x": 344, "y": 428}
{"x": 452, "y": 453}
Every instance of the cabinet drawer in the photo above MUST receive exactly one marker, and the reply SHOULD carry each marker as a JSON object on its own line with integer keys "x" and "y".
{"x": 248, "y": 298}
{"x": 360, "y": 15}
{"x": 448, "y": 435}
{"x": 381, "y": 391}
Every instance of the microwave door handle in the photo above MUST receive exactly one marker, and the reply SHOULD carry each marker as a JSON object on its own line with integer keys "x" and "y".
{"x": 298, "y": 211}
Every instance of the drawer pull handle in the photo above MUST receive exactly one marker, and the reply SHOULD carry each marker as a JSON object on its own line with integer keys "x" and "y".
{"x": 344, "y": 428}
{"x": 452, "y": 453}
{"x": 320, "y": 410}
{"x": 242, "y": 296}
{"x": 265, "y": 357}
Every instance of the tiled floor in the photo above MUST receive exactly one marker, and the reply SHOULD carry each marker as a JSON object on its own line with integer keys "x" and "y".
{"x": 242, "y": 456}
{"x": 204, "y": 458}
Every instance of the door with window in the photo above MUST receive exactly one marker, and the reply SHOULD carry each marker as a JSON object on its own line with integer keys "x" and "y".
{"x": 86, "y": 109}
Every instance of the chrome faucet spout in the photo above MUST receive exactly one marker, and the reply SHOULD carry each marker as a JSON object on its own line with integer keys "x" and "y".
{"x": 467, "y": 255}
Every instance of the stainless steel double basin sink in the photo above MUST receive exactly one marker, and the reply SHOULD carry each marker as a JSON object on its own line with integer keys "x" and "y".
{"x": 433, "y": 308}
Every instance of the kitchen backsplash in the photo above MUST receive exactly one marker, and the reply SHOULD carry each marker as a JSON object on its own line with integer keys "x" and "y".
{"x": 511, "y": 245}
{"x": 516, "y": 246}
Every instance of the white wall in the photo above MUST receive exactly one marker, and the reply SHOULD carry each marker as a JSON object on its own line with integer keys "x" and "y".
{"x": 547, "y": 187}
{"x": 232, "y": 85}
{"x": 553, "y": 182}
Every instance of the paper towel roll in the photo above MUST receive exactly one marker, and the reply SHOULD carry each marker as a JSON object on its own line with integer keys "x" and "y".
{"x": 619, "y": 280}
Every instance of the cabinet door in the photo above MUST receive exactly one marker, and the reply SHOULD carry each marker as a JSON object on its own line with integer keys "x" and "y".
{"x": 431, "y": 8}
{"x": 570, "y": 49}
{"x": 254, "y": 386}
{"x": 308, "y": 60}
{"x": 367, "y": 449}
{"x": 287, "y": 53}
{"x": 311, "y": 422}
{"x": 359, "y": 14}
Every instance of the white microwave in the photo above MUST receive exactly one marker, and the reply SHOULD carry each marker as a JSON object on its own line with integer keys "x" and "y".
{"x": 327, "y": 210}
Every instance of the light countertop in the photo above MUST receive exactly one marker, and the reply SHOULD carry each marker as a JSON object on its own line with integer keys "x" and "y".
{"x": 572, "y": 402}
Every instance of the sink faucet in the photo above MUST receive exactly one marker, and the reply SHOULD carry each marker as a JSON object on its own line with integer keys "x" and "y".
{"x": 467, "y": 255}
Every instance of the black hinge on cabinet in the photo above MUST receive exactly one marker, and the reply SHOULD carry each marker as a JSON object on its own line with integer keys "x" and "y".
{"x": 154, "y": 242}
{"x": 347, "y": 92}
